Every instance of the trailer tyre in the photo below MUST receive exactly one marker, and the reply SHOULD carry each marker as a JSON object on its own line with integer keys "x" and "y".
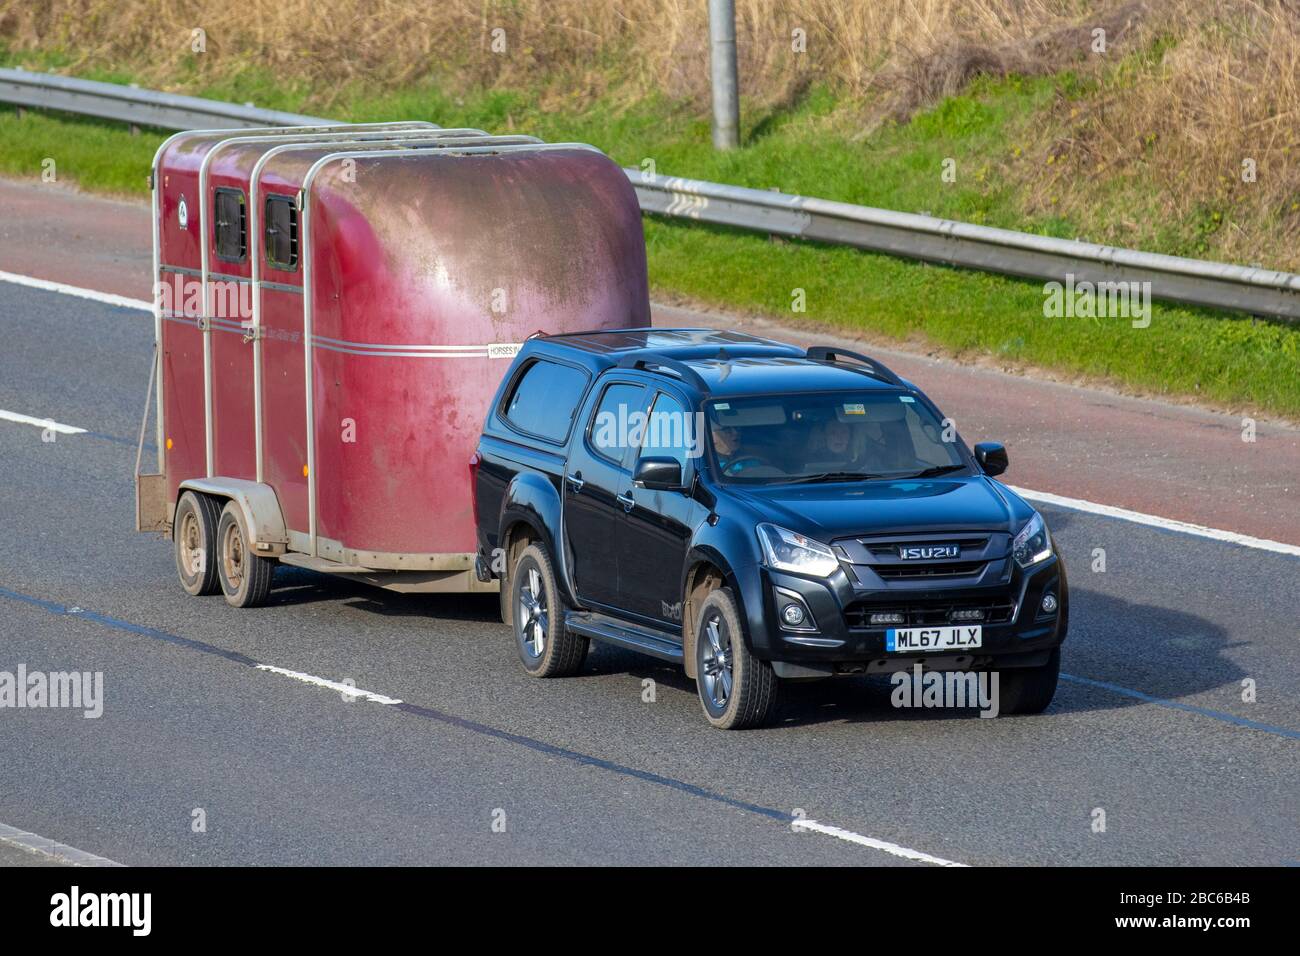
{"x": 546, "y": 648}
{"x": 194, "y": 534}
{"x": 245, "y": 576}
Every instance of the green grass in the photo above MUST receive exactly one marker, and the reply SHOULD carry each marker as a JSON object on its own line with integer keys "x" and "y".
{"x": 815, "y": 146}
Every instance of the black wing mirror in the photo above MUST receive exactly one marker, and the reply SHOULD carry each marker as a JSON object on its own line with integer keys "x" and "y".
{"x": 992, "y": 456}
{"x": 659, "y": 474}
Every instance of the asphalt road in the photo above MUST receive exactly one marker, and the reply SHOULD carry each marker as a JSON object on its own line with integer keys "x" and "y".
{"x": 1149, "y": 726}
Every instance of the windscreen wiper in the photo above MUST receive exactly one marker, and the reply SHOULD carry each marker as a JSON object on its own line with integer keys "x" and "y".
{"x": 834, "y": 476}
{"x": 936, "y": 470}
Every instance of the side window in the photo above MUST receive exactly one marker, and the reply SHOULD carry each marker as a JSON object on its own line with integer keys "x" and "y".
{"x": 670, "y": 432}
{"x": 612, "y": 424}
{"x": 545, "y": 400}
{"x": 230, "y": 225}
{"x": 282, "y": 232}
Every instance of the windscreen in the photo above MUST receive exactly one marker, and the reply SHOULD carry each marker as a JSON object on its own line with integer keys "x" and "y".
{"x": 831, "y": 436}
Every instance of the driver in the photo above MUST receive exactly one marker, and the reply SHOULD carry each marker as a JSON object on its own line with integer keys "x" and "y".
{"x": 726, "y": 443}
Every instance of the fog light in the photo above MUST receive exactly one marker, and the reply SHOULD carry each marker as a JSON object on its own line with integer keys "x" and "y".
{"x": 1049, "y": 602}
{"x": 886, "y": 619}
{"x": 974, "y": 614}
{"x": 792, "y": 615}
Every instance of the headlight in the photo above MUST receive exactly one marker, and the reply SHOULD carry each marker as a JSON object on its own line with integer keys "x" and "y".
{"x": 786, "y": 551}
{"x": 1033, "y": 544}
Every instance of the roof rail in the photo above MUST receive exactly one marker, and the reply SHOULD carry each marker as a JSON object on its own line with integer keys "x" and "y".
{"x": 823, "y": 353}
{"x": 645, "y": 363}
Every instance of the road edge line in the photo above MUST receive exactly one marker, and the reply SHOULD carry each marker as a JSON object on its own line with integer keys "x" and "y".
{"x": 44, "y": 846}
{"x": 47, "y": 285}
{"x": 1154, "y": 521}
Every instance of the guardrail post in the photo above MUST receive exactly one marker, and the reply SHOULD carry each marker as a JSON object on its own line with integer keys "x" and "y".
{"x": 722, "y": 59}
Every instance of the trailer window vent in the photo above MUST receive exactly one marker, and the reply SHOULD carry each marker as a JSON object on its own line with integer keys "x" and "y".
{"x": 282, "y": 233}
{"x": 230, "y": 225}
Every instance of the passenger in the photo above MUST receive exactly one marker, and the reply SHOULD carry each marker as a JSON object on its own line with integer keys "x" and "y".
{"x": 836, "y": 446}
{"x": 838, "y": 436}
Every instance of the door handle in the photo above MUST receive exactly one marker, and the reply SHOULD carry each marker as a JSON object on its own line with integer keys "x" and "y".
{"x": 575, "y": 482}
{"x": 627, "y": 501}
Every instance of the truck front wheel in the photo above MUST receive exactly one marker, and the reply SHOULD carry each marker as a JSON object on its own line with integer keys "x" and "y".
{"x": 736, "y": 688}
{"x": 546, "y": 648}
{"x": 1029, "y": 690}
{"x": 245, "y": 576}
{"x": 194, "y": 533}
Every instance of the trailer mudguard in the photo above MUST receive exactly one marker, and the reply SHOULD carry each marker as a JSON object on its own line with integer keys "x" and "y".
{"x": 262, "y": 515}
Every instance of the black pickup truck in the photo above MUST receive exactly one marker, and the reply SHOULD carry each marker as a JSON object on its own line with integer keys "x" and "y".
{"x": 755, "y": 512}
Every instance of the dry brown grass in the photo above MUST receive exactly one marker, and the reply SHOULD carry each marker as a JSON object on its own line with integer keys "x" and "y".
{"x": 1168, "y": 133}
{"x": 658, "y": 44}
{"x": 1172, "y": 136}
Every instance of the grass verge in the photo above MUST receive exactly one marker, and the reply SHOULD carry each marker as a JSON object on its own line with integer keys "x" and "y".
{"x": 1219, "y": 359}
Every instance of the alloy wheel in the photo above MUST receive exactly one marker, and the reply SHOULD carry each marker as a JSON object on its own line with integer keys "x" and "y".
{"x": 533, "y": 618}
{"x": 716, "y": 666}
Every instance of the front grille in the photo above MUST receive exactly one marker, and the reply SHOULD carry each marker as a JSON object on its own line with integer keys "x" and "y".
{"x": 888, "y": 547}
{"x": 918, "y": 613}
{"x": 947, "y": 569}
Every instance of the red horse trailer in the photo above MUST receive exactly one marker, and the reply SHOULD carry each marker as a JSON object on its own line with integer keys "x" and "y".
{"x": 335, "y": 307}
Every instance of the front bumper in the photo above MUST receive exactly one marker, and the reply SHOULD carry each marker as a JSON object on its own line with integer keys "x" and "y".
{"x": 839, "y": 637}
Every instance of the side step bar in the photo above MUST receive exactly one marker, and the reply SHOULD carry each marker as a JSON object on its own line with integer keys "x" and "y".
{"x": 633, "y": 637}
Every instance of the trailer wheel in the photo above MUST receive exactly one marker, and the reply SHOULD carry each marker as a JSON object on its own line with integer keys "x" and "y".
{"x": 245, "y": 576}
{"x": 546, "y": 647}
{"x": 195, "y": 540}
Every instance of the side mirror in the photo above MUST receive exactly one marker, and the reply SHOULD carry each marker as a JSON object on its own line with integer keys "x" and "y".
{"x": 992, "y": 456}
{"x": 659, "y": 474}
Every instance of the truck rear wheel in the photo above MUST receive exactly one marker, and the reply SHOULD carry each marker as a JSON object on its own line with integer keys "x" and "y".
{"x": 1028, "y": 690}
{"x": 546, "y": 648}
{"x": 245, "y": 576}
{"x": 736, "y": 689}
{"x": 194, "y": 534}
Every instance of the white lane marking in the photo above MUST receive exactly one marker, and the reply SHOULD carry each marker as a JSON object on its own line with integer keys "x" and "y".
{"x": 1079, "y": 504}
{"x": 49, "y": 848}
{"x": 47, "y": 286}
{"x": 812, "y": 825}
{"x": 345, "y": 689}
{"x": 43, "y": 423}
{"x": 1169, "y": 524}
{"x": 841, "y": 834}
{"x": 891, "y": 848}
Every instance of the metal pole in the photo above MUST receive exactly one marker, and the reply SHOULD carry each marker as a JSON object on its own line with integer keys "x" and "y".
{"x": 726, "y": 95}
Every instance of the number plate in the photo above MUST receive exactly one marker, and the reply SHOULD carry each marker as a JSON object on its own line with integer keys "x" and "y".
{"x": 899, "y": 640}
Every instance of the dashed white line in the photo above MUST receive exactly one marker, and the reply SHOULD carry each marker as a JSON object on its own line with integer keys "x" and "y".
{"x": 42, "y": 423}
{"x": 1169, "y": 524}
{"x": 893, "y": 849}
{"x": 46, "y": 285}
{"x": 348, "y": 690}
{"x": 50, "y": 849}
